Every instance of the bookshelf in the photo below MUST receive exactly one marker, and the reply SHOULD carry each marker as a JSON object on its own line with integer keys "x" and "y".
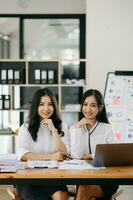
{"x": 19, "y": 79}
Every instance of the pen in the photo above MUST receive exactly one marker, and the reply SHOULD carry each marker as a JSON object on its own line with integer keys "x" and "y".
{"x": 39, "y": 167}
{"x": 69, "y": 157}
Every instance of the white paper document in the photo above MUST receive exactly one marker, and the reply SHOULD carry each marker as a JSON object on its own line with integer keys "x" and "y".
{"x": 42, "y": 164}
{"x": 8, "y": 159}
{"x": 8, "y": 163}
{"x": 76, "y": 164}
{"x": 8, "y": 168}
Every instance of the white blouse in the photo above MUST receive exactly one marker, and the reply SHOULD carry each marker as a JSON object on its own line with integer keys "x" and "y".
{"x": 44, "y": 143}
{"x": 80, "y": 138}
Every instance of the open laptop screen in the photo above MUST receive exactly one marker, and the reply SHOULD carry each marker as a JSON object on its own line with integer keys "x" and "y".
{"x": 113, "y": 155}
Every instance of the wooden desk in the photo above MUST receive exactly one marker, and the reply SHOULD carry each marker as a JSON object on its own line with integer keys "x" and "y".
{"x": 117, "y": 175}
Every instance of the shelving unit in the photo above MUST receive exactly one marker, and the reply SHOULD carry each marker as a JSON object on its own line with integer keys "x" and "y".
{"x": 21, "y": 78}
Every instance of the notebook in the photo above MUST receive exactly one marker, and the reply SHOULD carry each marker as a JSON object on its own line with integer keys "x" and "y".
{"x": 113, "y": 155}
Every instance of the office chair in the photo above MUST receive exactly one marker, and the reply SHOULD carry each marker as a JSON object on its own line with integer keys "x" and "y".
{"x": 72, "y": 193}
{"x": 13, "y": 193}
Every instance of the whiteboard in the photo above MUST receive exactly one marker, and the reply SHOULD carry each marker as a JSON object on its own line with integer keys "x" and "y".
{"x": 119, "y": 104}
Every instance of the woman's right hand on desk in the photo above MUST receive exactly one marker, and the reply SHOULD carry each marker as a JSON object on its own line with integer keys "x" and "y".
{"x": 59, "y": 156}
{"x": 87, "y": 157}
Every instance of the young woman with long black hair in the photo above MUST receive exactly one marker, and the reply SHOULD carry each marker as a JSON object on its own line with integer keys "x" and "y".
{"x": 43, "y": 137}
{"x": 92, "y": 129}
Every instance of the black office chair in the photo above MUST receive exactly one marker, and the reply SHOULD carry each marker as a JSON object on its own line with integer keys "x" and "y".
{"x": 72, "y": 193}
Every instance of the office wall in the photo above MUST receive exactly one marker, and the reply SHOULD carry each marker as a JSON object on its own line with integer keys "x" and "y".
{"x": 34, "y": 7}
{"x": 109, "y": 39}
{"x": 109, "y": 31}
{"x": 42, "y": 6}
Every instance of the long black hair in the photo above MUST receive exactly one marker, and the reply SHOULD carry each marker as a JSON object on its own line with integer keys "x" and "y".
{"x": 102, "y": 115}
{"x": 34, "y": 118}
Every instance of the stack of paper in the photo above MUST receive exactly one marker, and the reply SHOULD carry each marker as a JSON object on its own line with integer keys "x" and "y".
{"x": 75, "y": 164}
{"x": 42, "y": 164}
{"x": 8, "y": 163}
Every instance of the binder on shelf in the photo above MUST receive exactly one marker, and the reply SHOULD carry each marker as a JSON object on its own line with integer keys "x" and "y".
{"x": 16, "y": 76}
{"x": 43, "y": 76}
{"x": 10, "y": 76}
{"x": 1, "y": 102}
{"x": 3, "y": 76}
{"x": 50, "y": 76}
{"x": 22, "y": 76}
{"x": 6, "y": 102}
{"x": 37, "y": 75}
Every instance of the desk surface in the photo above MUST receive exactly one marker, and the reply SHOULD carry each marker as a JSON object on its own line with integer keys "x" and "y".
{"x": 119, "y": 175}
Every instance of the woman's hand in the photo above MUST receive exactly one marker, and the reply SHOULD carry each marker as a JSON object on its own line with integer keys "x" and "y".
{"x": 59, "y": 145}
{"x": 87, "y": 157}
{"x": 59, "y": 156}
{"x": 83, "y": 121}
{"x": 50, "y": 125}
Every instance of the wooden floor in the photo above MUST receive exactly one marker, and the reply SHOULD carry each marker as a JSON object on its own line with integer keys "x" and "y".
{"x": 127, "y": 193}
{"x": 3, "y": 193}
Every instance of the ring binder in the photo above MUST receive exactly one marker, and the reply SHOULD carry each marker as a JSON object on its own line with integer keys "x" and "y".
{"x": 50, "y": 76}
{"x": 16, "y": 76}
{"x": 37, "y": 76}
{"x": 6, "y": 102}
{"x": 3, "y": 76}
{"x": 43, "y": 76}
{"x": 1, "y": 102}
{"x": 10, "y": 76}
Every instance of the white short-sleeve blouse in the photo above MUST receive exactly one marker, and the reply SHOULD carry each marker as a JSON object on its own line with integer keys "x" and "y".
{"x": 80, "y": 139}
{"x": 44, "y": 143}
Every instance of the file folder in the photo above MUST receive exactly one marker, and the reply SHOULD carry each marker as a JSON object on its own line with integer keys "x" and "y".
{"x": 6, "y": 102}
{"x": 16, "y": 76}
{"x": 1, "y": 102}
{"x": 50, "y": 76}
{"x": 44, "y": 76}
{"x": 3, "y": 76}
{"x": 10, "y": 76}
{"x": 37, "y": 76}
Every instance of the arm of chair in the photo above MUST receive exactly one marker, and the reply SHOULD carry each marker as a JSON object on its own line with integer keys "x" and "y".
{"x": 72, "y": 190}
{"x": 13, "y": 193}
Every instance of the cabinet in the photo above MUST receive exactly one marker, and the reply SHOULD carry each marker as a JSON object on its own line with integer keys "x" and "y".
{"x": 19, "y": 79}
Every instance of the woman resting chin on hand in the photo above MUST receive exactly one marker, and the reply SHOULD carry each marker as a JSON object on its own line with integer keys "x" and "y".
{"x": 92, "y": 129}
{"x": 43, "y": 137}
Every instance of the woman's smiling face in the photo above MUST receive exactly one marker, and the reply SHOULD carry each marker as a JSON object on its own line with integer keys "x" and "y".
{"x": 90, "y": 108}
{"x": 45, "y": 108}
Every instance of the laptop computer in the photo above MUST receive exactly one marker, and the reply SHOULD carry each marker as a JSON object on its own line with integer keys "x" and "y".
{"x": 113, "y": 155}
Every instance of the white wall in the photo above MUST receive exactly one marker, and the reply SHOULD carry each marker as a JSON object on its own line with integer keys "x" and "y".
{"x": 42, "y": 6}
{"x": 109, "y": 39}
